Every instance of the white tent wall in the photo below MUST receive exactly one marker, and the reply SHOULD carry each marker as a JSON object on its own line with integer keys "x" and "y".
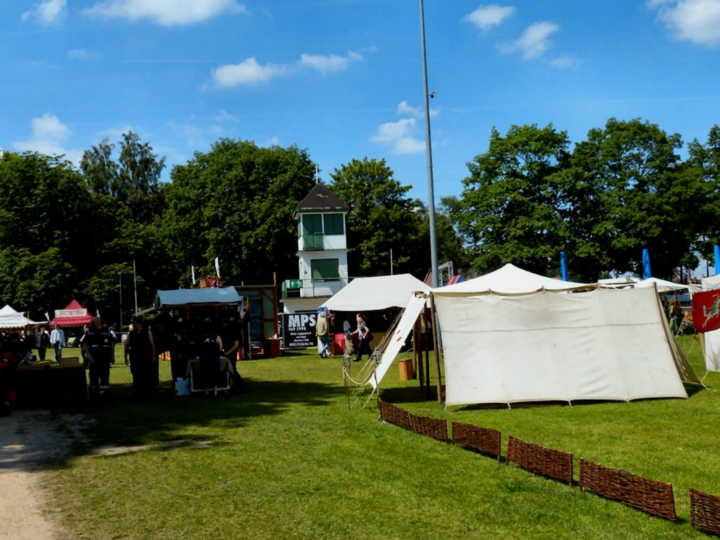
{"x": 404, "y": 327}
{"x": 598, "y": 345}
{"x": 712, "y": 339}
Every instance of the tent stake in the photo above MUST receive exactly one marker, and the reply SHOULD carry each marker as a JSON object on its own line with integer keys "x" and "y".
{"x": 437, "y": 350}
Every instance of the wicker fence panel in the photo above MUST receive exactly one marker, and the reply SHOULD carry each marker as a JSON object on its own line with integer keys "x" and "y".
{"x": 393, "y": 414}
{"x": 430, "y": 427}
{"x": 705, "y": 512}
{"x": 476, "y": 438}
{"x": 540, "y": 460}
{"x": 649, "y": 496}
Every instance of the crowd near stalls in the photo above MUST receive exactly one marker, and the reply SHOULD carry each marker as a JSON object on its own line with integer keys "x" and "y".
{"x": 198, "y": 328}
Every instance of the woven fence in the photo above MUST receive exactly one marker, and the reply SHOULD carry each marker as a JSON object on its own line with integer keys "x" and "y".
{"x": 539, "y": 460}
{"x": 394, "y": 415}
{"x": 649, "y": 496}
{"x": 429, "y": 427}
{"x": 476, "y": 438}
{"x": 705, "y": 512}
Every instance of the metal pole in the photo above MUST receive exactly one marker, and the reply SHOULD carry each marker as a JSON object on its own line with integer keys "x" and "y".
{"x": 121, "y": 324}
{"x": 428, "y": 150}
{"x": 135, "y": 283}
{"x": 391, "y": 262}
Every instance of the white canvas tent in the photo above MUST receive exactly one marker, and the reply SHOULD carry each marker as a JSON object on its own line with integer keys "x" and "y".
{"x": 605, "y": 344}
{"x": 9, "y": 318}
{"x": 511, "y": 280}
{"x": 663, "y": 286}
{"x": 376, "y": 293}
{"x": 712, "y": 339}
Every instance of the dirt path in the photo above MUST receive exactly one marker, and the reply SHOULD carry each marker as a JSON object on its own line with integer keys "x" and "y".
{"x": 28, "y": 439}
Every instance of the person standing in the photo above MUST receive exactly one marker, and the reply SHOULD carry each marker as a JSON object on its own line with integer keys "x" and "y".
{"x": 57, "y": 340}
{"x": 323, "y": 334}
{"x": 43, "y": 342}
{"x": 231, "y": 344}
{"x": 99, "y": 348}
{"x": 210, "y": 359}
{"x": 364, "y": 336}
{"x": 140, "y": 356}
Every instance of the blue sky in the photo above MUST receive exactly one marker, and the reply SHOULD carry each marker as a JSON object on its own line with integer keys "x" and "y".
{"x": 343, "y": 78}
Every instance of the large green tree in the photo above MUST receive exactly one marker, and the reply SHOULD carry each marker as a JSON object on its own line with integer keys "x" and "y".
{"x": 237, "y": 202}
{"x": 382, "y": 217}
{"x": 47, "y": 231}
{"x": 513, "y": 207}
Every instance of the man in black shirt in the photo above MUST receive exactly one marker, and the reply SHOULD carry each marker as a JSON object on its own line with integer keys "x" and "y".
{"x": 99, "y": 347}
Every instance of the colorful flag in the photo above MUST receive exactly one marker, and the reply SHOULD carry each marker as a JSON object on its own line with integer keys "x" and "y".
{"x": 706, "y": 311}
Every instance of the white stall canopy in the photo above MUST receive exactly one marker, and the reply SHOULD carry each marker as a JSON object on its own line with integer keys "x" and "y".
{"x": 376, "y": 293}
{"x": 9, "y": 318}
{"x": 664, "y": 286}
{"x": 511, "y": 280}
{"x": 712, "y": 339}
{"x": 604, "y": 344}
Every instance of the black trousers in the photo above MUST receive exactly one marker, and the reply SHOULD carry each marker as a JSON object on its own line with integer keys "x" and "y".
{"x": 100, "y": 372}
{"x": 41, "y": 353}
{"x": 142, "y": 372}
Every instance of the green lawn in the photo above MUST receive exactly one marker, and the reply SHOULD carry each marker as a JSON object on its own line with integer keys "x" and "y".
{"x": 288, "y": 460}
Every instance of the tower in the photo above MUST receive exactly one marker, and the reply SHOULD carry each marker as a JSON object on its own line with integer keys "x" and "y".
{"x": 322, "y": 251}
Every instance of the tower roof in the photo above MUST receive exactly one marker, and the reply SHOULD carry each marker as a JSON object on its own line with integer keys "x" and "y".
{"x": 321, "y": 199}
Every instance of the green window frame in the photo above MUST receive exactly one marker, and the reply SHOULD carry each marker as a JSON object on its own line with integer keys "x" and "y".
{"x": 312, "y": 224}
{"x": 325, "y": 269}
{"x": 334, "y": 224}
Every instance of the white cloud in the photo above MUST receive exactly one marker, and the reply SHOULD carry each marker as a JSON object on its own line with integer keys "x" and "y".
{"x": 329, "y": 63}
{"x": 697, "y": 21}
{"x": 164, "y": 12}
{"x": 197, "y": 135}
{"x": 400, "y": 135}
{"x": 47, "y": 12}
{"x": 564, "y": 62}
{"x": 272, "y": 141}
{"x": 247, "y": 72}
{"x": 48, "y": 137}
{"x": 223, "y": 117}
{"x": 486, "y": 17}
{"x": 534, "y": 41}
{"x": 405, "y": 108}
{"x": 84, "y": 55}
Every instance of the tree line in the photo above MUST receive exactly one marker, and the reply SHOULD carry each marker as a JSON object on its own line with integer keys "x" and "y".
{"x": 71, "y": 232}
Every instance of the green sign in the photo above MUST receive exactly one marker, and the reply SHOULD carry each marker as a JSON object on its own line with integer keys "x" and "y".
{"x": 292, "y": 284}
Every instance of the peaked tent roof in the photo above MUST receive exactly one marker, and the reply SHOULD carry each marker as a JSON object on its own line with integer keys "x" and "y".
{"x": 210, "y": 296}
{"x": 375, "y": 293}
{"x": 73, "y": 315}
{"x": 662, "y": 285}
{"x": 9, "y": 318}
{"x": 321, "y": 199}
{"x": 510, "y": 280}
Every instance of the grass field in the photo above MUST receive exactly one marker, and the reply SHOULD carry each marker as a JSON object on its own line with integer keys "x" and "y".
{"x": 290, "y": 461}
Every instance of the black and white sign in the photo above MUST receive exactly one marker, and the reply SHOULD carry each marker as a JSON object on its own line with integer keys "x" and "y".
{"x": 298, "y": 330}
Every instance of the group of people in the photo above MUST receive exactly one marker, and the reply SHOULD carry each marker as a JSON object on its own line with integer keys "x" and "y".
{"x": 324, "y": 329}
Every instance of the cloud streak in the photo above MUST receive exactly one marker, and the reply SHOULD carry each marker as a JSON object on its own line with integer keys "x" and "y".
{"x": 48, "y": 136}
{"x": 534, "y": 41}
{"x": 697, "y": 21}
{"x": 400, "y": 135}
{"x": 485, "y": 17}
{"x": 164, "y": 12}
{"x": 47, "y": 13}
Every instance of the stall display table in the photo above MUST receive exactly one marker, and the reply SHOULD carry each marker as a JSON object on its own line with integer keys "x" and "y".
{"x": 50, "y": 386}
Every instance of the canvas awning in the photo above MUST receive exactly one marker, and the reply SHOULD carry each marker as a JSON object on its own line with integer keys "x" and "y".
{"x": 9, "y": 318}
{"x": 662, "y": 285}
{"x": 73, "y": 315}
{"x": 511, "y": 280}
{"x": 376, "y": 293}
{"x": 210, "y": 296}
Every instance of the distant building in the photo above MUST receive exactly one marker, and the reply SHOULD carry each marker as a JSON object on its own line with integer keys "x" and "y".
{"x": 322, "y": 251}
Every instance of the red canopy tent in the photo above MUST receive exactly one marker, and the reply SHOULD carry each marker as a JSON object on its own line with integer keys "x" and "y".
{"x": 73, "y": 315}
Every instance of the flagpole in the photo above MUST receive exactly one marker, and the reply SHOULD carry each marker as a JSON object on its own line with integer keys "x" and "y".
{"x": 135, "y": 282}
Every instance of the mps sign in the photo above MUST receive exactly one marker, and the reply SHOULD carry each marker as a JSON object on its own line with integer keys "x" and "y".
{"x": 298, "y": 330}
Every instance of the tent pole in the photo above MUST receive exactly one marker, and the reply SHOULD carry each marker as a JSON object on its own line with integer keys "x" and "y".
{"x": 427, "y": 352}
{"x": 421, "y": 371}
{"x": 437, "y": 350}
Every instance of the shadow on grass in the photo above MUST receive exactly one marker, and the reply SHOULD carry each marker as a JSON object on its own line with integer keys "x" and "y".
{"x": 121, "y": 421}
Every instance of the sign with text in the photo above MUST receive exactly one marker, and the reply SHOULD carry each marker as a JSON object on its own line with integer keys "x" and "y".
{"x": 706, "y": 311}
{"x": 67, "y": 313}
{"x": 298, "y": 330}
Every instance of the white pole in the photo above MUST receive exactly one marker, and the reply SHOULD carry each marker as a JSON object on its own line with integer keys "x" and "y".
{"x": 391, "y": 262}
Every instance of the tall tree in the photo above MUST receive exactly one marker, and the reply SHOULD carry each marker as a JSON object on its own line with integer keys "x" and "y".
{"x": 237, "y": 202}
{"x": 628, "y": 191}
{"x": 382, "y": 217}
{"x": 513, "y": 207}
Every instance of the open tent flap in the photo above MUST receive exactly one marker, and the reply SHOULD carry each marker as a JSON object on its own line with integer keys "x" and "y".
{"x": 402, "y": 331}
{"x": 376, "y": 293}
{"x": 598, "y": 345}
{"x": 685, "y": 372}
